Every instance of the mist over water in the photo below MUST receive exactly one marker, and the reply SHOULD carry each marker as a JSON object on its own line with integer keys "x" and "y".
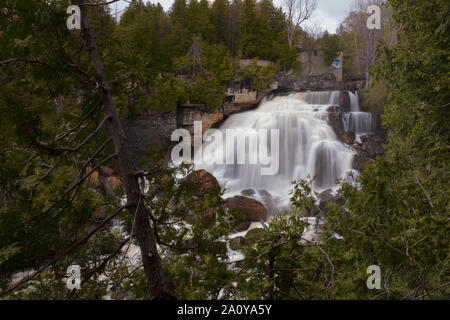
{"x": 307, "y": 145}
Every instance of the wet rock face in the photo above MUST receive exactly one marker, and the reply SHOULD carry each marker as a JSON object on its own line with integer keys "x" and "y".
{"x": 327, "y": 197}
{"x": 349, "y": 137}
{"x": 187, "y": 115}
{"x": 149, "y": 131}
{"x": 326, "y": 81}
{"x": 335, "y": 122}
{"x": 370, "y": 147}
{"x": 229, "y": 108}
{"x": 203, "y": 183}
{"x": 248, "y": 192}
{"x": 344, "y": 101}
{"x": 360, "y": 161}
{"x": 253, "y": 210}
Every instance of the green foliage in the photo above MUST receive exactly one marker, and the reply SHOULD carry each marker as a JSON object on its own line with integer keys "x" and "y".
{"x": 303, "y": 197}
{"x": 375, "y": 98}
{"x": 260, "y": 77}
{"x": 149, "y": 47}
{"x": 219, "y": 18}
{"x": 330, "y": 45}
{"x": 256, "y": 40}
{"x": 220, "y": 63}
{"x": 166, "y": 92}
{"x": 284, "y": 264}
{"x": 287, "y": 59}
{"x": 7, "y": 252}
{"x": 206, "y": 91}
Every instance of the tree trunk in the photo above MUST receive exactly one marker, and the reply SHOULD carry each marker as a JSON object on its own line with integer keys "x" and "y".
{"x": 146, "y": 239}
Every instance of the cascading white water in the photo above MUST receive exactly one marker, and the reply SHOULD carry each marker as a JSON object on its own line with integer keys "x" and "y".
{"x": 307, "y": 146}
{"x": 357, "y": 121}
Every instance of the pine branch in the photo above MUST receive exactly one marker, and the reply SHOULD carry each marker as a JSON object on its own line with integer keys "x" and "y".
{"x": 65, "y": 252}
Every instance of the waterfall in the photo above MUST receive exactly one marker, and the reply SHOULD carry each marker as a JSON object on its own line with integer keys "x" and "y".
{"x": 357, "y": 121}
{"x": 322, "y": 97}
{"x": 307, "y": 146}
{"x": 354, "y": 101}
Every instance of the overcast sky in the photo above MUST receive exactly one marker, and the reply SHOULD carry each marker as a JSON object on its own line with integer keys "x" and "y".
{"x": 328, "y": 14}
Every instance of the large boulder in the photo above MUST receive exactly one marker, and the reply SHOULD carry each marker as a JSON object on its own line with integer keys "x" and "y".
{"x": 253, "y": 210}
{"x": 327, "y": 197}
{"x": 236, "y": 243}
{"x": 248, "y": 192}
{"x": 203, "y": 183}
{"x": 242, "y": 226}
{"x": 348, "y": 137}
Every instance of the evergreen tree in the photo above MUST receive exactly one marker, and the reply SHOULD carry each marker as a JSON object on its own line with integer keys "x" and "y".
{"x": 220, "y": 19}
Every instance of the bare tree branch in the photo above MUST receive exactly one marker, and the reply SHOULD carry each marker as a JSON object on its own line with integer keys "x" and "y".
{"x": 24, "y": 61}
{"x": 297, "y": 12}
